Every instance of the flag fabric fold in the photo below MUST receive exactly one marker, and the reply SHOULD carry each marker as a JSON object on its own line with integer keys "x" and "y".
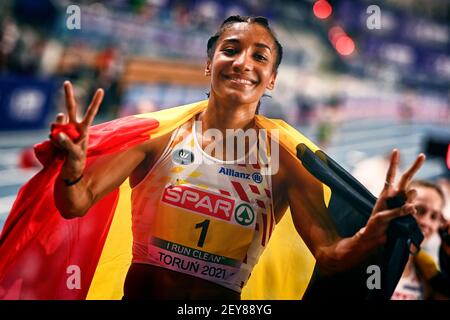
{"x": 44, "y": 256}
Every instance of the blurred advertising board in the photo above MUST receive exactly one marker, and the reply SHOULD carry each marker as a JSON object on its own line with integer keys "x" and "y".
{"x": 25, "y": 102}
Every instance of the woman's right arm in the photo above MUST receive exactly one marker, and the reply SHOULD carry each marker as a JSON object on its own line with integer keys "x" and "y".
{"x": 77, "y": 188}
{"x": 100, "y": 178}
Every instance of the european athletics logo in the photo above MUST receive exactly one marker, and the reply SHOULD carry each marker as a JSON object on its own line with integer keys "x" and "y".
{"x": 182, "y": 156}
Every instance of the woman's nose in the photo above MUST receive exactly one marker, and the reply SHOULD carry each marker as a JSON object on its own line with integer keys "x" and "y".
{"x": 242, "y": 62}
{"x": 425, "y": 222}
{"x": 422, "y": 224}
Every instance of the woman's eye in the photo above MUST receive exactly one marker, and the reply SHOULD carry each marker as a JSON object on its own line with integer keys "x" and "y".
{"x": 229, "y": 51}
{"x": 260, "y": 57}
{"x": 420, "y": 210}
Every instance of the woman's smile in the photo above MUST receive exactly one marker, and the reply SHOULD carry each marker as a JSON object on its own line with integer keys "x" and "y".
{"x": 239, "y": 80}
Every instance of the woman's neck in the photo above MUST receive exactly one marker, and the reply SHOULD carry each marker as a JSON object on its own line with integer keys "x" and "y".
{"x": 222, "y": 116}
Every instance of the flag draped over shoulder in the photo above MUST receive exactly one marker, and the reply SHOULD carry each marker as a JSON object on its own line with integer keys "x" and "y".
{"x": 349, "y": 204}
{"x": 44, "y": 256}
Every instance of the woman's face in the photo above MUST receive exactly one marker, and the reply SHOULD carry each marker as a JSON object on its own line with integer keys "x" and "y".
{"x": 242, "y": 67}
{"x": 429, "y": 207}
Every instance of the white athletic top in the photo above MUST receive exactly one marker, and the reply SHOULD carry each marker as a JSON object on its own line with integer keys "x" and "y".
{"x": 202, "y": 216}
{"x": 409, "y": 288}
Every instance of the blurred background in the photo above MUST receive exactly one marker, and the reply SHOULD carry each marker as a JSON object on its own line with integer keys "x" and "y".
{"x": 358, "y": 77}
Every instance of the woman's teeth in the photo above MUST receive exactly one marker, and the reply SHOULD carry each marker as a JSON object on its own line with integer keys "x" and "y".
{"x": 243, "y": 81}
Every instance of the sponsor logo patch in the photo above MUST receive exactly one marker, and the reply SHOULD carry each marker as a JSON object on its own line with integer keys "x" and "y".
{"x": 244, "y": 214}
{"x": 182, "y": 156}
{"x": 257, "y": 177}
{"x": 200, "y": 201}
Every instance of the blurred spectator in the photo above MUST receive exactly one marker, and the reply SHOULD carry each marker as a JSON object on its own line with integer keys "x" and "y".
{"x": 406, "y": 108}
{"x": 444, "y": 184}
{"x": 305, "y": 109}
{"x": 109, "y": 67}
{"x": 26, "y": 54}
{"x": 51, "y": 57}
{"x": 330, "y": 118}
{"x": 181, "y": 15}
{"x": 9, "y": 35}
{"x": 421, "y": 278}
{"x": 432, "y": 246}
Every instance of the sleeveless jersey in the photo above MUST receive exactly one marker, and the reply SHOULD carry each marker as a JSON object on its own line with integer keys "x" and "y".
{"x": 202, "y": 216}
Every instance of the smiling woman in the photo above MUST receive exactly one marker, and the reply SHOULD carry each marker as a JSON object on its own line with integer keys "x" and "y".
{"x": 198, "y": 227}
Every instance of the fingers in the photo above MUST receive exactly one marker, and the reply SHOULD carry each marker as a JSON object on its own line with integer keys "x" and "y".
{"x": 387, "y": 215}
{"x": 411, "y": 195}
{"x": 71, "y": 103}
{"x": 409, "y": 174}
{"x": 65, "y": 143}
{"x": 60, "y": 118}
{"x": 378, "y": 224}
{"x": 392, "y": 170}
{"x": 93, "y": 107}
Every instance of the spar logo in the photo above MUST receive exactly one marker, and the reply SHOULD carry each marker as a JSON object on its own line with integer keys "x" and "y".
{"x": 199, "y": 201}
{"x": 244, "y": 214}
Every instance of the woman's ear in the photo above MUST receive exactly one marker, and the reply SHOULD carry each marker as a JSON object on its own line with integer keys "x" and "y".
{"x": 208, "y": 68}
{"x": 271, "y": 84}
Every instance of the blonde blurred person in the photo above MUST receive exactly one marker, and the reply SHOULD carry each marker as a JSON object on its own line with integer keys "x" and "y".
{"x": 422, "y": 278}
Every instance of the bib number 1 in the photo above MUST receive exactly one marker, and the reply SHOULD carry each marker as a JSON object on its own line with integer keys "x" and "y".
{"x": 204, "y": 225}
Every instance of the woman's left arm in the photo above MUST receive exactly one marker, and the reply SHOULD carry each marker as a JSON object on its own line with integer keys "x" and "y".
{"x": 314, "y": 225}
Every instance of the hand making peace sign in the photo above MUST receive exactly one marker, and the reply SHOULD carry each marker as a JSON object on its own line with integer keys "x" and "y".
{"x": 75, "y": 160}
{"x": 376, "y": 227}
